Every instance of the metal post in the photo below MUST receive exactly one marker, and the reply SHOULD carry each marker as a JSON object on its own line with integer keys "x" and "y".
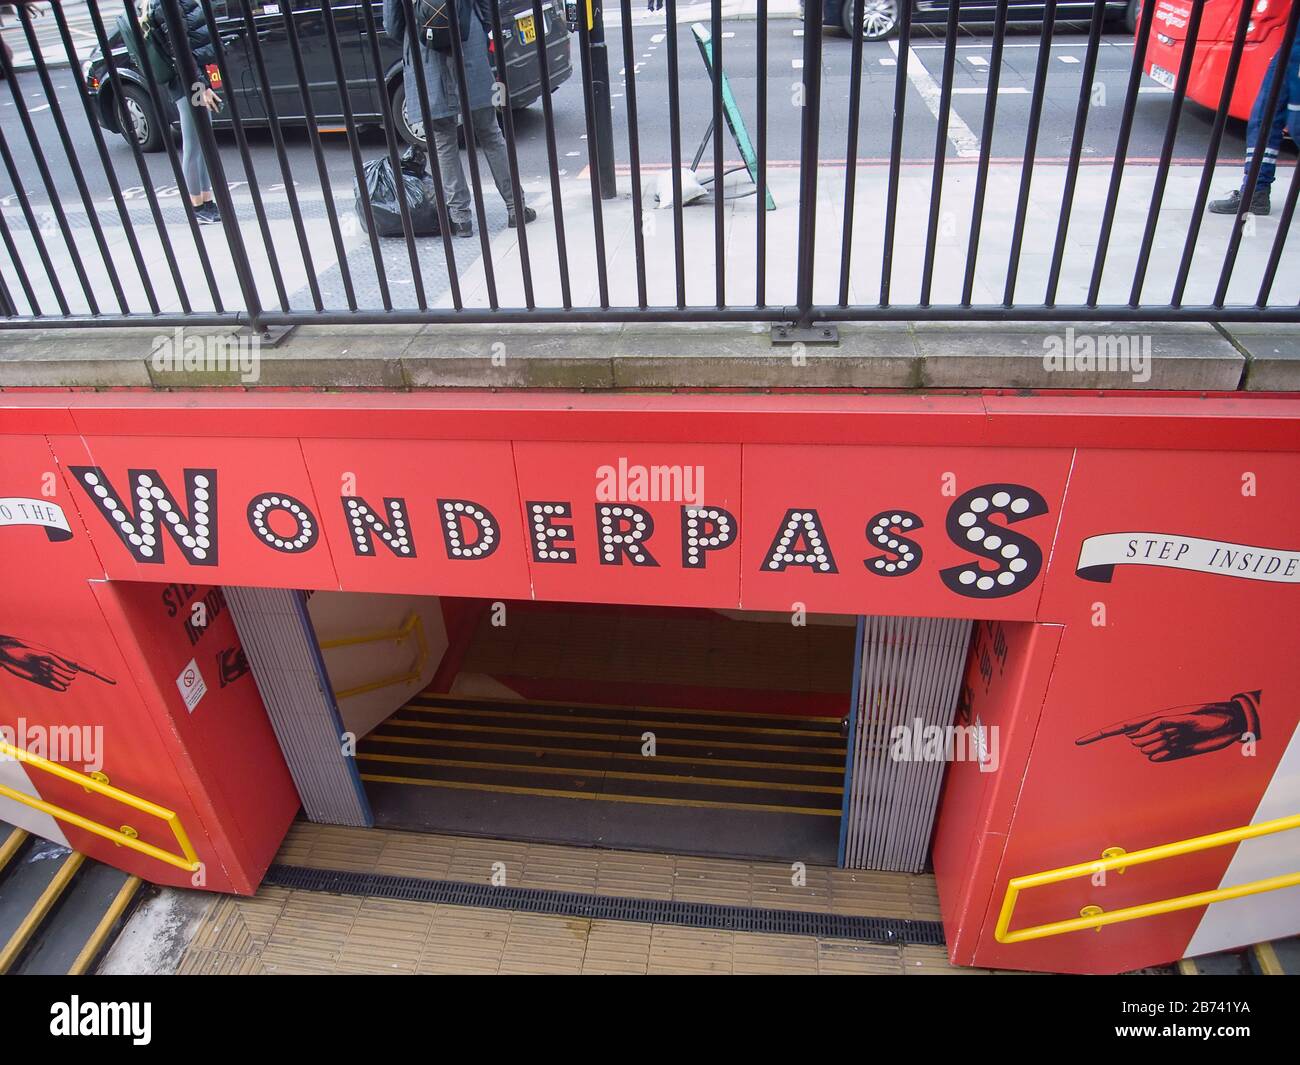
{"x": 601, "y": 101}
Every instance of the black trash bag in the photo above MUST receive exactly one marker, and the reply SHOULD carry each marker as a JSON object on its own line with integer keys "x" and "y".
{"x": 382, "y": 188}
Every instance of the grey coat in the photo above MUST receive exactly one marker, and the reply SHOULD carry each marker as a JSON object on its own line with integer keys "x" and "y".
{"x": 440, "y": 68}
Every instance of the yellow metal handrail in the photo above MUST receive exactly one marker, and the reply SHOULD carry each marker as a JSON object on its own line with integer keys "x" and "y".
{"x": 125, "y": 836}
{"x": 1114, "y": 858}
{"x": 412, "y": 625}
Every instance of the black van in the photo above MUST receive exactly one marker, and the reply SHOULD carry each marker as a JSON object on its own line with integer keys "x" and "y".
{"x": 132, "y": 97}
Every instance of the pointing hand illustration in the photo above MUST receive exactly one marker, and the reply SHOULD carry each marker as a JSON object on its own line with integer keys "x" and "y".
{"x": 1182, "y": 732}
{"x": 41, "y": 666}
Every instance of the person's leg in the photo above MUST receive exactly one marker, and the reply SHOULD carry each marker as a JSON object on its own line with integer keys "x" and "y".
{"x": 1255, "y": 127}
{"x": 447, "y": 158}
{"x": 192, "y": 166}
{"x": 491, "y": 142}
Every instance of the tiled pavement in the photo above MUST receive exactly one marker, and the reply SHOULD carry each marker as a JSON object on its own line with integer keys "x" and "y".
{"x": 290, "y": 931}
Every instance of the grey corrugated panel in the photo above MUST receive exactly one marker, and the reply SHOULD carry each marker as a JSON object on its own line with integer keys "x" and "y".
{"x": 910, "y": 677}
{"x": 278, "y": 638}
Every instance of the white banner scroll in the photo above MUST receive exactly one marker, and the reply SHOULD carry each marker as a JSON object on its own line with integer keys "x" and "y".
{"x": 1099, "y": 556}
{"x": 14, "y": 510}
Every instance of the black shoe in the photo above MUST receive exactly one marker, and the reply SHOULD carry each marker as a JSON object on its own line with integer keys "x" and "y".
{"x": 207, "y": 214}
{"x": 1231, "y": 204}
{"x": 529, "y": 216}
{"x": 462, "y": 229}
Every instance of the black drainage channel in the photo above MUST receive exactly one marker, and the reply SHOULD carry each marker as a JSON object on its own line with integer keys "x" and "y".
{"x": 609, "y": 907}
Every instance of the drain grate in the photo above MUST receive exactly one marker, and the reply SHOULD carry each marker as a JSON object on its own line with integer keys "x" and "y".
{"x": 608, "y": 907}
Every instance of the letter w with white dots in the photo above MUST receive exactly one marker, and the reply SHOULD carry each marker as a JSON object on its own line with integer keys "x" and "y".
{"x": 148, "y": 507}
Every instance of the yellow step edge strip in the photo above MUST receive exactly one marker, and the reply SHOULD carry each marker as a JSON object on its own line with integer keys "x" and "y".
{"x": 383, "y": 737}
{"x": 605, "y": 797}
{"x": 626, "y": 721}
{"x": 12, "y": 845}
{"x": 97, "y": 938}
{"x": 612, "y": 737}
{"x": 663, "y": 778}
{"x": 451, "y": 700}
{"x": 1267, "y": 960}
{"x": 53, "y": 890}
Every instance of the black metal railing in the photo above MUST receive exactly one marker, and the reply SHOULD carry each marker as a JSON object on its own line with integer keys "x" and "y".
{"x": 855, "y": 225}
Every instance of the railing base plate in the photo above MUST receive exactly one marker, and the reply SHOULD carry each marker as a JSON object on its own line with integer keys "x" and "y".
{"x": 785, "y": 333}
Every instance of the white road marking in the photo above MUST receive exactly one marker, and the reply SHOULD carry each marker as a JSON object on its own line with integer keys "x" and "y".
{"x": 1068, "y": 58}
{"x": 963, "y": 138}
{"x": 1003, "y": 90}
{"x": 796, "y": 64}
{"x": 978, "y": 61}
{"x": 888, "y": 61}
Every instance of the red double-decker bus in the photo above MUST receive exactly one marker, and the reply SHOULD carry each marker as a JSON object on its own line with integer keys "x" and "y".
{"x": 1214, "y": 44}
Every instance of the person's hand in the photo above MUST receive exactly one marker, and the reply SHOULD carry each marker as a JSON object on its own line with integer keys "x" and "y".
{"x": 1169, "y": 735}
{"x": 211, "y": 100}
{"x": 38, "y": 666}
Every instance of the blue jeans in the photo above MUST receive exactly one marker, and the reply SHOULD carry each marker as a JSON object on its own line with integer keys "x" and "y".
{"x": 1287, "y": 116}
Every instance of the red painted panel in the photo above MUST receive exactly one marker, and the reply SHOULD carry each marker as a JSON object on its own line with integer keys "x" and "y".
{"x": 1140, "y": 742}
{"x": 576, "y": 498}
{"x": 365, "y": 486}
{"x": 244, "y": 513}
{"x": 841, "y": 496}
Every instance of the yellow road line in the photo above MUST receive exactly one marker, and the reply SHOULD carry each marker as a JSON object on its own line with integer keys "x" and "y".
{"x": 1187, "y": 967}
{"x": 611, "y": 736}
{"x": 115, "y": 910}
{"x": 630, "y": 721}
{"x": 448, "y": 700}
{"x": 606, "y": 797}
{"x": 724, "y": 782}
{"x": 40, "y": 908}
{"x": 592, "y": 752}
{"x": 12, "y": 844}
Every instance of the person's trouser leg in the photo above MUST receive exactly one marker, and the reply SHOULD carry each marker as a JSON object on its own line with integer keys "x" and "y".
{"x": 488, "y": 137}
{"x": 194, "y": 167}
{"x": 1254, "y": 128}
{"x": 447, "y": 152}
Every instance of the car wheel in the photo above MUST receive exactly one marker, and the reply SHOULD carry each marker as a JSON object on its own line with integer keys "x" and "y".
{"x": 404, "y": 130}
{"x": 135, "y": 114}
{"x": 1131, "y": 15}
{"x": 879, "y": 18}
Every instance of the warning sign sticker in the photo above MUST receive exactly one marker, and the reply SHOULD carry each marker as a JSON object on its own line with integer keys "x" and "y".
{"x": 191, "y": 685}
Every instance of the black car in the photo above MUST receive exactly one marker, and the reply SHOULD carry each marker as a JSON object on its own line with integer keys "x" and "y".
{"x": 880, "y": 17}
{"x": 131, "y": 98}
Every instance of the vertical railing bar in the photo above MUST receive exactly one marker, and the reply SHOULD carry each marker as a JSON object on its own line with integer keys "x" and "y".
{"x": 675, "y": 147}
{"x": 895, "y": 151}
{"x": 33, "y": 226}
{"x": 161, "y": 110}
{"x": 38, "y": 156}
{"x": 313, "y": 136}
{"x": 552, "y": 153}
{"x": 719, "y": 181}
{"x": 851, "y": 152}
{"x": 1257, "y": 159}
{"x": 1076, "y": 148}
{"x": 1121, "y": 149}
{"x": 354, "y": 149}
{"x": 390, "y": 139}
{"x": 101, "y": 149}
{"x": 808, "y": 159}
{"x": 760, "y": 236}
{"x": 593, "y": 158}
{"x": 634, "y": 150}
{"x": 241, "y": 139}
{"x": 940, "y": 152}
{"x": 986, "y": 150}
{"x": 471, "y": 150}
{"x": 1166, "y": 153}
{"x": 1212, "y": 154}
{"x": 16, "y": 259}
{"x": 8, "y": 309}
{"x": 146, "y": 180}
{"x": 1279, "y": 239}
{"x": 1031, "y": 151}
{"x": 512, "y": 156}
